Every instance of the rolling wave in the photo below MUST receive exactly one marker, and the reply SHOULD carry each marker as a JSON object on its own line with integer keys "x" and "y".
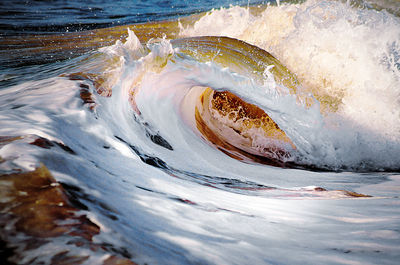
{"x": 228, "y": 137}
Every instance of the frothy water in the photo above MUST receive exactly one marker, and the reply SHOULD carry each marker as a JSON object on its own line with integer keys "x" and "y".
{"x": 123, "y": 138}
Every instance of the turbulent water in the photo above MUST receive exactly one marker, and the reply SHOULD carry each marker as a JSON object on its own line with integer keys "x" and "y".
{"x": 130, "y": 132}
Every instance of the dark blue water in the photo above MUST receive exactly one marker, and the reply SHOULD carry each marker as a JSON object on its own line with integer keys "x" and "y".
{"x": 59, "y": 16}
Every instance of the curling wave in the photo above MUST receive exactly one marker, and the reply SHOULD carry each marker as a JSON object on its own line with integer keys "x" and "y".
{"x": 174, "y": 146}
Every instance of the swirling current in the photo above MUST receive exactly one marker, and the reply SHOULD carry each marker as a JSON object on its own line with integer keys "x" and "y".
{"x": 266, "y": 133}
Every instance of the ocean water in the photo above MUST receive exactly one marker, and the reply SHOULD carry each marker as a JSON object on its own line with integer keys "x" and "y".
{"x": 49, "y": 17}
{"x": 119, "y": 101}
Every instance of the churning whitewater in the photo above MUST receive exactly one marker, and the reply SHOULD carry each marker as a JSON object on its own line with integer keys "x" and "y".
{"x": 245, "y": 135}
